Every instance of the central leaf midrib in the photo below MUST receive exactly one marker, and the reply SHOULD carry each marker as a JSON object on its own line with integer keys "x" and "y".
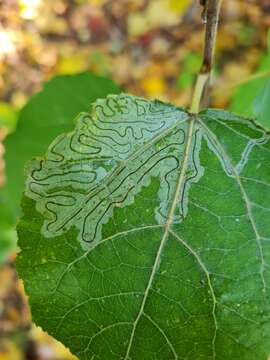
{"x": 180, "y": 182}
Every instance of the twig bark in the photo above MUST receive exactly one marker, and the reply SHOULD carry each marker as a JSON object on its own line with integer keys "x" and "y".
{"x": 212, "y": 10}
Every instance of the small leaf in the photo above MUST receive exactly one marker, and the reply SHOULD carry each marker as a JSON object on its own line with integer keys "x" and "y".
{"x": 252, "y": 98}
{"x": 146, "y": 233}
{"x": 261, "y": 105}
{"x": 243, "y": 97}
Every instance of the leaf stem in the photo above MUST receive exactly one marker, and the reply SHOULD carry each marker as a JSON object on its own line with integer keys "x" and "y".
{"x": 212, "y": 10}
{"x": 198, "y": 90}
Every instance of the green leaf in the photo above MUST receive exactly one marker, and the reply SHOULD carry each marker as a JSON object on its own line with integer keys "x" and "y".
{"x": 252, "y": 98}
{"x": 261, "y": 104}
{"x": 46, "y": 115}
{"x": 243, "y": 98}
{"x": 146, "y": 232}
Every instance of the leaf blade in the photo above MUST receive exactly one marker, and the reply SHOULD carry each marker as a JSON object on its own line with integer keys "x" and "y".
{"x": 168, "y": 289}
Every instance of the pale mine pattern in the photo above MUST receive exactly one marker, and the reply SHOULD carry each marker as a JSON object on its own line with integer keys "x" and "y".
{"x": 110, "y": 156}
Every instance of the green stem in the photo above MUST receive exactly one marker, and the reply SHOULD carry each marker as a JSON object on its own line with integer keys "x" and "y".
{"x": 198, "y": 91}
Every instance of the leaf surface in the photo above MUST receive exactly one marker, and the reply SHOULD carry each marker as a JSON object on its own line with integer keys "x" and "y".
{"x": 262, "y": 104}
{"x": 145, "y": 234}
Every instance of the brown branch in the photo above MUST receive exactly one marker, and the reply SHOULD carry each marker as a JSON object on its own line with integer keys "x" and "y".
{"x": 212, "y": 11}
{"x": 212, "y": 16}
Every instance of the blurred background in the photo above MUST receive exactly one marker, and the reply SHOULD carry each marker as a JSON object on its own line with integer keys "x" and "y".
{"x": 150, "y": 48}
